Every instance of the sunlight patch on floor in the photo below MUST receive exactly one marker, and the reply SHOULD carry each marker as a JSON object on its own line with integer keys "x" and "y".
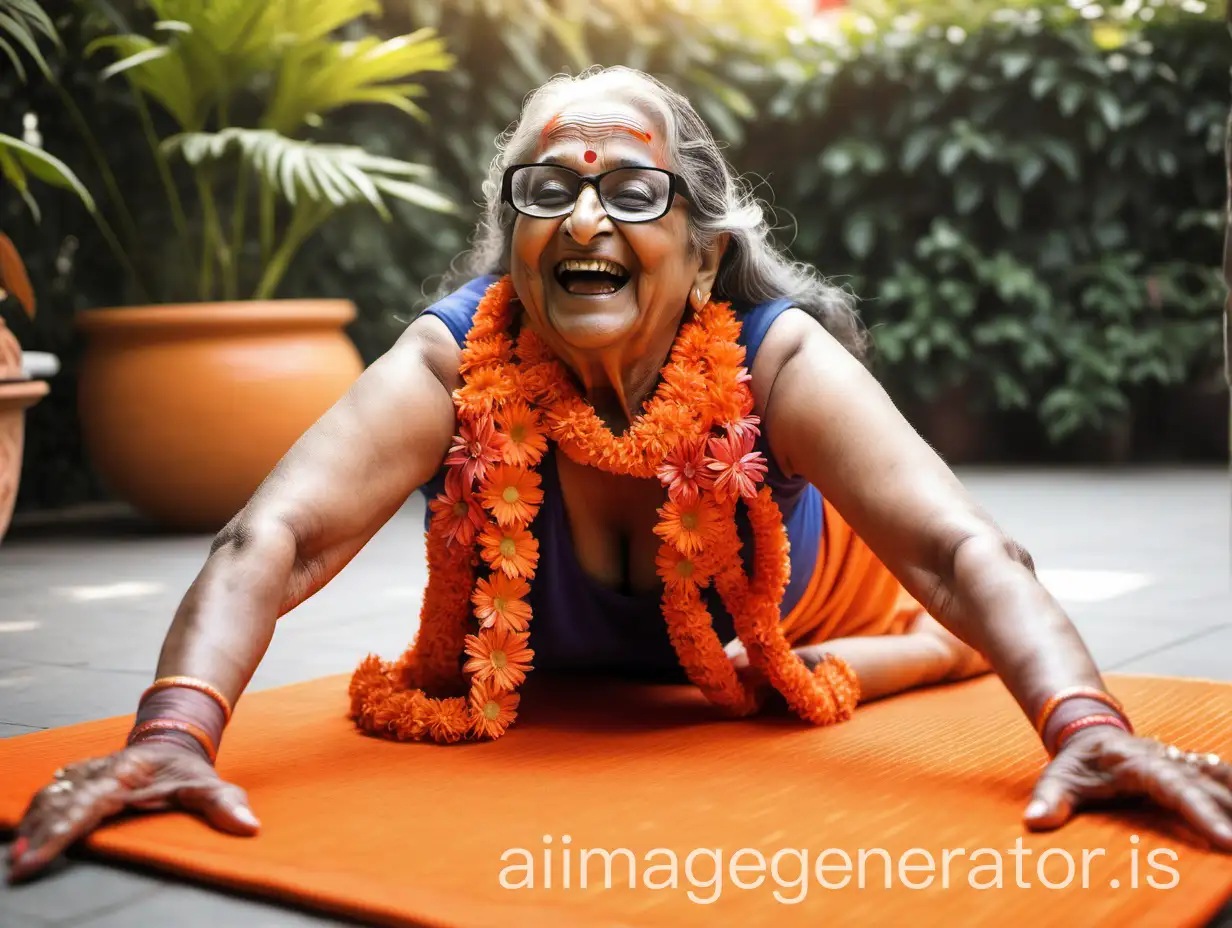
{"x": 403, "y": 593}
{"x": 27, "y": 625}
{"x": 1092, "y": 586}
{"x": 131, "y": 589}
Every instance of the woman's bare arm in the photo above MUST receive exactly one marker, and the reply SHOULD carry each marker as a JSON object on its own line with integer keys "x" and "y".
{"x": 829, "y": 420}
{"x": 328, "y": 496}
{"x": 340, "y": 483}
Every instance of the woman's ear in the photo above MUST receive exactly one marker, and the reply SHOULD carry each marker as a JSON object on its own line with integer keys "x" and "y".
{"x": 712, "y": 260}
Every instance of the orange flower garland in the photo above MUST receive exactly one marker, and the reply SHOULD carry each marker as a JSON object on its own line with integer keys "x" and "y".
{"x": 514, "y": 399}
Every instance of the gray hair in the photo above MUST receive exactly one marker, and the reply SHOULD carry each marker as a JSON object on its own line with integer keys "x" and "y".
{"x": 753, "y": 269}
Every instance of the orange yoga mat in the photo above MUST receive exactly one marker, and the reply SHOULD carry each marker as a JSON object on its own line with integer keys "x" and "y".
{"x": 653, "y": 780}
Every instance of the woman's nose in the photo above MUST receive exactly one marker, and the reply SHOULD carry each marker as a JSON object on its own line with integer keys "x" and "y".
{"x": 588, "y": 218}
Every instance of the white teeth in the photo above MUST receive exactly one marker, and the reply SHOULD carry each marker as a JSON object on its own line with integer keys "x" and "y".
{"x": 576, "y": 264}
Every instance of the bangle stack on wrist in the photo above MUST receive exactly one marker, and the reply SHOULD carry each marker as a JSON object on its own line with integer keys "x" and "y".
{"x": 1075, "y": 708}
{"x": 174, "y": 707}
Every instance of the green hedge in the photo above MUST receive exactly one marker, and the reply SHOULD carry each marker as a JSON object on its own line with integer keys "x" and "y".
{"x": 1027, "y": 202}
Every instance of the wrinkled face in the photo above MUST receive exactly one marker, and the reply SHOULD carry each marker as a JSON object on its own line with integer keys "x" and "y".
{"x": 590, "y": 282}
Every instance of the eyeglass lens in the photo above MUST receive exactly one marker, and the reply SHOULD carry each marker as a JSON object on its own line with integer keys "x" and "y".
{"x": 629, "y": 194}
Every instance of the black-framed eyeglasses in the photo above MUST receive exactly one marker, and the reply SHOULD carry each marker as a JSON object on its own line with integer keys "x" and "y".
{"x": 628, "y": 194}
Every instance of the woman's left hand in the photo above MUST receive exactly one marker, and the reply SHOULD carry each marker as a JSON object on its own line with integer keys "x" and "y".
{"x": 1103, "y": 762}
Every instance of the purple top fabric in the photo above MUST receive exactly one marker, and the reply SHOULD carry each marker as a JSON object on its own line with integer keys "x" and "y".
{"x": 582, "y": 625}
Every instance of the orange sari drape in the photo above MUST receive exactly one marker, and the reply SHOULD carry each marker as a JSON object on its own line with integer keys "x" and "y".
{"x": 851, "y": 592}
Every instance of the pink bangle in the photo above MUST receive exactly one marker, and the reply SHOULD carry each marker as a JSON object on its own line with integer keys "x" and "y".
{"x": 199, "y": 734}
{"x": 1087, "y": 721}
{"x": 1089, "y": 692}
{"x": 191, "y": 683}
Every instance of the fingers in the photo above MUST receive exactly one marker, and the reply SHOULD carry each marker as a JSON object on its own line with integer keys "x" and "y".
{"x": 1218, "y": 788}
{"x": 223, "y": 805}
{"x": 58, "y": 815}
{"x": 1196, "y": 798}
{"x": 1211, "y": 766}
{"x": 1056, "y": 796}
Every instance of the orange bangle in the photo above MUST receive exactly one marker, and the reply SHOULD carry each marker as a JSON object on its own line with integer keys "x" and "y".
{"x": 191, "y": 683}
{"x": 188, "y": 728}
{"x": 1074, "y": 692}
{"x": 1087, "y": 721}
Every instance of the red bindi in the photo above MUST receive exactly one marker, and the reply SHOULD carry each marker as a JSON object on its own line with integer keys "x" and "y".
{"x": 590, "y": 156}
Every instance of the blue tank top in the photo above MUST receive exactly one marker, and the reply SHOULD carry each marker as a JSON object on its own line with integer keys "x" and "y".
{"x": 581, "y": 624}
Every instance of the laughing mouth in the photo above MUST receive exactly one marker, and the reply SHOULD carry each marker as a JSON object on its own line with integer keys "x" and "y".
{"x": 591, "y": 277}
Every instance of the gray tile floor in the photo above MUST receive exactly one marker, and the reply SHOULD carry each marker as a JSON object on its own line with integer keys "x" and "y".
{"x": 1142, "y": 560}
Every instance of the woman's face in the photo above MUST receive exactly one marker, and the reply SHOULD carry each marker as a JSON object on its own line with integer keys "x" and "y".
{"x": 579, "y": 312}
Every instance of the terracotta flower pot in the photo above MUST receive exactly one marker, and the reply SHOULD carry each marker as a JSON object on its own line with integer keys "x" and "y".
{"x": 185, "y": 409}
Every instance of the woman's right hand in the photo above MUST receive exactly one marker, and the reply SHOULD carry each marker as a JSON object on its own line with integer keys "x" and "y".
{"x": 155, "y": 774}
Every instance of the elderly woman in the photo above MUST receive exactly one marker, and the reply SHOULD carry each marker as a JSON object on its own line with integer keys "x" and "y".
{"x": 648, "y": 444}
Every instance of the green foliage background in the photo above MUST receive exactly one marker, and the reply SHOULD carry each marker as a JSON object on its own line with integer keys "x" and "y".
{"x": 1027, "y": 198}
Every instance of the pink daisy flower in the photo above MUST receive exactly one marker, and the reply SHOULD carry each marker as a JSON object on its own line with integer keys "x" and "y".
{"x": 684, "y": 472}
{"x": 474, "y": 449}
{"x": 459, "y": 512}
{"x": 735, "y": 466}
{"x": 749, "y": 425}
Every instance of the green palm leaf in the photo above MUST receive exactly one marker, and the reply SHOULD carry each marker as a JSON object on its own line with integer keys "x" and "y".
{"x": 312, "y": 174}
{"x": 321, "y": 76}
{"x": 19, "y": 161}
{"x": 315, "y": 19}
{"x": 24, "y": 21}
{"x": 231, "y": 40}
{"x": 159, "y": 71}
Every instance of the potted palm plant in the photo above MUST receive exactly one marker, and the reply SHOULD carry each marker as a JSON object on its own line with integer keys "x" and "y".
{"x": 189, "y": 397}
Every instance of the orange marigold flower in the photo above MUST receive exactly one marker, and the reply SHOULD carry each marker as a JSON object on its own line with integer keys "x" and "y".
{"x": 684, "y": 471}
{"x": 498, "y": 658}
{"x": 537, "y": 384}
{"x": 493, "y": 348}
{"x": 485, "y": 388}
{"x": 512, "y": 495}
{"x": 693, "y": 343}
{"x": 719, "y": 322}
{"x": 571, "y": 420}
{"x": 457, "y": 513}
{"x": 408, "y": 715}
{"x": 737, "y": 468}
{"x": 492, "y": 712}
{"x": 545, "y": 382}
{"x": 499, "y": 603}
{"x": 728, "y": 355}
{"x": 520, "y": 437}
{"x": 729, "y": 399}
{"x": 690, "y": 528}
{"x": 532, "y": 349}
{"x": 684, "y": 385}
{"x": 513, "y": 550}
{"x": 473, "y": 449}
{"x": 676, "y": 570}
{"x": 447, "y": 720}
